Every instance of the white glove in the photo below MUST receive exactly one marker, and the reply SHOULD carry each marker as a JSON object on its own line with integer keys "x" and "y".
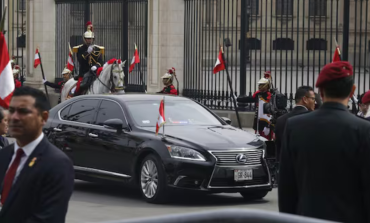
{"x": 44, "y": 81}
{"x": 93, "y": 68}
{"x": 90, "y": 49}
{"x": 266, "y": 131}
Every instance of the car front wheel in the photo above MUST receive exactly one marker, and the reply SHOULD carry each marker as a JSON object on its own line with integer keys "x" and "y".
{"x": 153, "y": 180}
{"x": 254, "y": 195}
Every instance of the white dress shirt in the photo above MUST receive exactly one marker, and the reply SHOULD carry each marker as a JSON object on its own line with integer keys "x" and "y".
{"x": 27, "y": 149}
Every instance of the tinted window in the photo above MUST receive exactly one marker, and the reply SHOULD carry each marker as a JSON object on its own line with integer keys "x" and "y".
{"x": 109, "y": 110}
{"x": 145, "y": 113}
{"x": 82, "y": 111}
{"x": 64, "y": 112}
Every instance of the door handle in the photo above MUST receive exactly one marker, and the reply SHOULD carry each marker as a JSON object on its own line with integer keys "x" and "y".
{"x": 57, "y": 130}
{"x": 93, "y": 135}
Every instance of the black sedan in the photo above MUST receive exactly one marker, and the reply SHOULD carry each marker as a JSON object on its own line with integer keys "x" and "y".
{"x": 112, "y": 138}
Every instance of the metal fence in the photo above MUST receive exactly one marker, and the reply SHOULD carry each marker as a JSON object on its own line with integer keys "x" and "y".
{"x": 15, "y": 32}
{"x": 293, "y": 39}
{"x": 118, "y": 25}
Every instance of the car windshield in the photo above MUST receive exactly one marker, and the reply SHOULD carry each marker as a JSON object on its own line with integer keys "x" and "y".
{"x": 145, "y": 113}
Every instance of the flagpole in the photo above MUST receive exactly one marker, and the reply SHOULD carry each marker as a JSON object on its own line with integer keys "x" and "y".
{"x": 43, "y": 76}
{"x": 232, "y": 91}
{"x": 141, "y": 77}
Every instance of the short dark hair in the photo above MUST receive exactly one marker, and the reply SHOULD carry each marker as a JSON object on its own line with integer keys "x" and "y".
{"x": 41, "y": 102}
{"x": 340, "y": 88}
{"x": 1, "y": 114}
{"x": 301, "y": 92}
{"x": 360, "y": 99}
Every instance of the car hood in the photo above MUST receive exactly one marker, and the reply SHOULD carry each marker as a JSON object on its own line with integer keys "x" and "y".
{"x": 212, "y": 137}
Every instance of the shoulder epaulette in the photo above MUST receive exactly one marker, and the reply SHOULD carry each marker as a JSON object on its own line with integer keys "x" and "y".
{"x": 102, "y": 49}
{"x": 75, "y": 48}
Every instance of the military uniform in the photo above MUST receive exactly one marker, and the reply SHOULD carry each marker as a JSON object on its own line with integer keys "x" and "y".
{"x": 169, "y": 90}
{"x": 60, "y": 84}
{"x": 168, "y": 79}
{"x": 88, "y": 61}
{"x": 325, "y": 160}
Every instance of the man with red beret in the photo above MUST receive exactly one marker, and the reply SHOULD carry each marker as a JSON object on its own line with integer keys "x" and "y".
{"x": 325, "y": 160}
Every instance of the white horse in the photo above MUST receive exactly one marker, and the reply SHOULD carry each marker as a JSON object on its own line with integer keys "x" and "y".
{"x": 111, "y": 77}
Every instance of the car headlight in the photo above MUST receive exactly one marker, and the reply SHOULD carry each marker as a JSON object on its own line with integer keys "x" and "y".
{"x": 180, "y": 152}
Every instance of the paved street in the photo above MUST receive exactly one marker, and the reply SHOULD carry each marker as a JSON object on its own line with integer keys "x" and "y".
{"x": 97, "y": 202}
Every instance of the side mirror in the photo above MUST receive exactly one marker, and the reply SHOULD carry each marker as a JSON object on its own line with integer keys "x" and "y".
{"x": 114, "y": 124}
{"x": 227, "y": 120}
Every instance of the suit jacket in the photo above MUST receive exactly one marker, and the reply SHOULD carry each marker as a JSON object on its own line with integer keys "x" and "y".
{"x": 3, "y": 142}
{"x": 280, "y": 125}
{"x": 325, "y": 166}
{"x": 42, "y": 191}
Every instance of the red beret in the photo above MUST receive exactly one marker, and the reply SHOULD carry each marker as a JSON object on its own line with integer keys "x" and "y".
{"x": 366, "y": 98}
{"x": 333, "y": 71}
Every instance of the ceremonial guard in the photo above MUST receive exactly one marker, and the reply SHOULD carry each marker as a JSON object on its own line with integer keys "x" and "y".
{"x": 66, "y": 76}
{"x": 167, "y": 79}
{"x": 90, "y": 58}
{"x": 325, "y": 161}
{"x": 261, "y": 122}
{"x": 16, "y": 71}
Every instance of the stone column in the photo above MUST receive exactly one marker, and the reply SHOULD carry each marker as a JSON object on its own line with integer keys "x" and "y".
{"x": 166, "y": 41}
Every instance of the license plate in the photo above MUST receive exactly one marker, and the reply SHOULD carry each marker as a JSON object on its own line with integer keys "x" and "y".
{"x": 241, "y": 175}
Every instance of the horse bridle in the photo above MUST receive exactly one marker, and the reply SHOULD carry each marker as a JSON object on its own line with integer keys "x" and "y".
{"x": 113, "y": 86}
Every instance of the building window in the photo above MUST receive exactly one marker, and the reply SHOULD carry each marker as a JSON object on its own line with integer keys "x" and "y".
{"x": 21, "y": 5}
{"x": 254, "y": 44}
{"x": 316, "y": 44}
{"x": 283, "y": 44}
{"x": 318, "y": 7}
{"x": 253, "y": 5}
{"x": 284, "y": 7}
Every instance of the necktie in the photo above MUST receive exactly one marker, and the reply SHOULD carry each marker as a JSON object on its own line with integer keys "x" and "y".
{"x": 9, "y": 177}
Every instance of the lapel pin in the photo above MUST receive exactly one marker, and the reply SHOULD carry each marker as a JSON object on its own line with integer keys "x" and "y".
{"x": 32, "y": 162}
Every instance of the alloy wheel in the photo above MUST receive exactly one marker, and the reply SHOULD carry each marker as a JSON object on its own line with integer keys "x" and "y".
{"x": 149, "y": 179}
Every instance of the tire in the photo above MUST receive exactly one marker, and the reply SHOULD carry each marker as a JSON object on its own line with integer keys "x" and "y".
{"x": 148, "y": 180}
{"x": 254, "y": 195}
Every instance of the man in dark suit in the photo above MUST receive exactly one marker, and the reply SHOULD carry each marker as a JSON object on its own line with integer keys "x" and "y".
{"x": 325, "y": 160}
{"x": 305, "y": 102}
{"x": 3, "y": 128}
{"x": 36, "y": 178}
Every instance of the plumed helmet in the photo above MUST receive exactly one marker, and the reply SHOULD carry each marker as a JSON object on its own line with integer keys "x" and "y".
{"x": 266, "y": 78}
{"x": 66, "y": 71}
{"x": 263, "y": 81}
{"x": 169, "y": 74}
{"x": 89, "y": 33}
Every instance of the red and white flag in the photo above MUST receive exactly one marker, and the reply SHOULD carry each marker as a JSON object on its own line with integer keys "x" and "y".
{"x": 70, "y": 64}
{"x": 135, "y": 60}
{"x": 220, "y": 64}
{"x": 7, "y": 85}
{"x": 37, "y": 59}
{"x": 336, "y": 56}
{"x": 161, "y": 119}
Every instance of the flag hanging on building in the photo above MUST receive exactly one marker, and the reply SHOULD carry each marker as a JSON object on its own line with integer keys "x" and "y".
{"x": 37, "y": 59}
{"x": 7, "y": 85}
{"x": 135, "y": 59}
{"x": 70, "y": 64}
{"x": 336, "y": 56}
{"x": 161, "y": 119}
{"x": 220, "y": 64}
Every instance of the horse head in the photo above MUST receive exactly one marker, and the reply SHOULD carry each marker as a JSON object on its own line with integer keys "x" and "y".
{"x": 113, "y": 74}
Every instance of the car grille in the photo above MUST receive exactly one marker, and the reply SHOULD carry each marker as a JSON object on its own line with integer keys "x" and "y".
{"x": 221, "y": 182}
{"x": 229, "y": 158}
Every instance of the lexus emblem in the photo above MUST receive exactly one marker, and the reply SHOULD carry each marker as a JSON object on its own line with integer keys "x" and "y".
{"x": 241, "y": 158}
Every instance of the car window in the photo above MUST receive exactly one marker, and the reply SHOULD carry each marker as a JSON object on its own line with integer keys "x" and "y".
{"x": 109, "y": 110}
{"x": 82, "y": 111}
{"x": 145, "y": 113}
{"x": 64, "y": 112}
